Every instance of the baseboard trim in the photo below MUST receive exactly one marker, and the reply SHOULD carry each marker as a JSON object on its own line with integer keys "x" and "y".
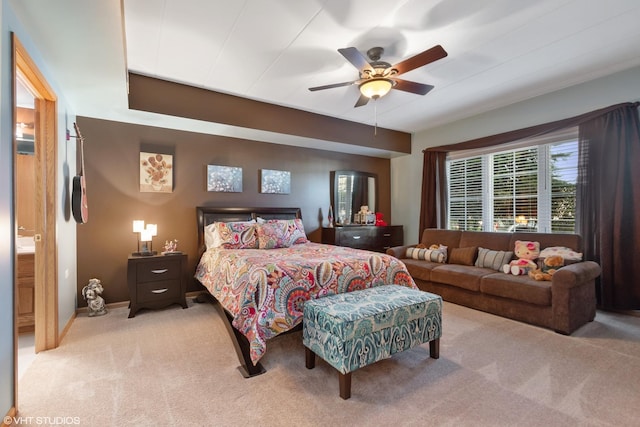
{"x": 119, "y": 304}
{"x": 80, "y": 310}
{"x": 67, "y": 327}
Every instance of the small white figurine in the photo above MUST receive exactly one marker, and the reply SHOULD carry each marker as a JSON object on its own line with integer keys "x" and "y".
{"x": 95, "y": 303}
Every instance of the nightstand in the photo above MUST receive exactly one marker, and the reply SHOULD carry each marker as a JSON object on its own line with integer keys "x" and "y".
{"x": 156, "y": 281}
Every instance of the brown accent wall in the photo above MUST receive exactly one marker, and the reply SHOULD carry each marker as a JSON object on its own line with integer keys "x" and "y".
{"x": 112, "y": 177}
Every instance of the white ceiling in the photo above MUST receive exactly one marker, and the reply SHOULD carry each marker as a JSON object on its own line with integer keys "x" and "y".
{"x": 500, "y": 51}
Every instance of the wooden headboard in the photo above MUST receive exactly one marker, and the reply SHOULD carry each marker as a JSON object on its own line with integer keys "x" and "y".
{"x": 207, "y": 215}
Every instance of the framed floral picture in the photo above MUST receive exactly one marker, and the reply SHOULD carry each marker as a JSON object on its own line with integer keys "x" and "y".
{"x": 226, "y": 179}
{"x": 275, "y": 182}
{"x": 156, "y": 173}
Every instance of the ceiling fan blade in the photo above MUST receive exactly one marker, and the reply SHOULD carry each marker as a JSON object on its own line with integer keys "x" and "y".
{"x": 424, "y": 58}
{"x": 356, "y": 58}
{"x": 413, "y": 87}
{"x": 312, "y": 89}
{"x": 361, "y": 101}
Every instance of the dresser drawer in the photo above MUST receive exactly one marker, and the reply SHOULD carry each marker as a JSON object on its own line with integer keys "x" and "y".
{"x": 163, "y": 269}
{"x": 372, "y": 238}
{"x": 155, "y": 291}
{"x": 359, "y": 238}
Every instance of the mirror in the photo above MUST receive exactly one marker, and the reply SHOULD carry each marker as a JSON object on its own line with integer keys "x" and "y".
{"x": 349, "y": 191}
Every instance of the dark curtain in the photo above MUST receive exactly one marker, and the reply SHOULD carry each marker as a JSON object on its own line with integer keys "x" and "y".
{"x": 609, "y": 203}
{"x": 433, "y": 206}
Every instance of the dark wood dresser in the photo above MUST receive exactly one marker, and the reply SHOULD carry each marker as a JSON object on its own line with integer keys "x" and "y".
{"x": 156, "y": 281}
{"x": 369, "y": 237}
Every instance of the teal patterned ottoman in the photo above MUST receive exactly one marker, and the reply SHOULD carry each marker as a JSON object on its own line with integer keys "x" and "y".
{"x": 356, "y": 329}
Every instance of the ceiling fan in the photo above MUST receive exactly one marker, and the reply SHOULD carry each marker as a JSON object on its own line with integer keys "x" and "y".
{"x": 378, "y": 77}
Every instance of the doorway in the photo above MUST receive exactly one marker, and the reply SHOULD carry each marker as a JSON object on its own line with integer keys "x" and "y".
{"x": 43, "y": 298}
{"x": 25, "y": 211}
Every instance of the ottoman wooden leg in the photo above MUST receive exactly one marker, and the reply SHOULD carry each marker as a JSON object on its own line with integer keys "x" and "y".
{"x": 345, "y": 385}
{"x": 434, "y": 348}
{"x": 310, "y": 358}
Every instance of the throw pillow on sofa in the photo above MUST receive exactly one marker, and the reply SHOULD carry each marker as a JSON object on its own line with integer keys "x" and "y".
{"x": 488, "y": 258}
{"x": 463, "y": 256}
{"x": 565, "y": 253}
{"x": 434, "y": 255}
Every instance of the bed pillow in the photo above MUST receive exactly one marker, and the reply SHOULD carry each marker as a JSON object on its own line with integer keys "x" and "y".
{"x": 231, "y": 235}
{"x": 281, "y": 233}
{"x": 488, "y": 258}
{"x": 463, "y": 256}
{"x": 434, "y": 255}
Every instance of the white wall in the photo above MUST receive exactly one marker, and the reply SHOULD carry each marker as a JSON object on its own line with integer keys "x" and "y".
{"x": 6, "y": 229}
{"x": 406, "y": 171}
{"x": 65, "y": 226}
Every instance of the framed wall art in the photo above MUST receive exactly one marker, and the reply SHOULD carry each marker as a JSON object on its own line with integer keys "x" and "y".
{"x": 226, "y": 179}
{"x": 275, "y": 182}
{"x": 156, "y": 172}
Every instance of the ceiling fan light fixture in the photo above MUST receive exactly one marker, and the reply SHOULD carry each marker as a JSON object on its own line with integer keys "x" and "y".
{"x": 376, "y": 87}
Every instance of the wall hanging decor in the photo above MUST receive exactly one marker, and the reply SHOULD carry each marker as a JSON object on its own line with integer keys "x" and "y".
{"x": 224, "y": 179}
{"x": 156, "y": 172}
{"x": 275, "y": 182}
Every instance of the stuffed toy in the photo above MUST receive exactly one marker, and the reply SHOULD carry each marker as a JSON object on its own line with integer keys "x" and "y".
{"x": 550, "y": 265}
{"x": 379, "y": 221}
{"x": 526, "y": 252}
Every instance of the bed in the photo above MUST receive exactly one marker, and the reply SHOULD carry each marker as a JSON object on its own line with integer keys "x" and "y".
{"x": 261, "y": 286}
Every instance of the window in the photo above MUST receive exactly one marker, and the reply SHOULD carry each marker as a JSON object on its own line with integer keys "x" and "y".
{"x": 528, "y": 186}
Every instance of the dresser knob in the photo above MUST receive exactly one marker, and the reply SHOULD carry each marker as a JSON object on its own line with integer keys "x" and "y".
{"x": 356, "y": 237}
{"x": 160, "y": 291}
{"x": 164, "y": 270}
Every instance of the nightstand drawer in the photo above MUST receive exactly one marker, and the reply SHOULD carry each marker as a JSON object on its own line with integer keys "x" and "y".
{"x": 164, "y": 269}
{"x": 152, "y": 291}
{"x": 156, "y": 281}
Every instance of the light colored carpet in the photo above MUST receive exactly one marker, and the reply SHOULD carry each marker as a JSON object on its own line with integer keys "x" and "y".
{"x": 178, "y": 367}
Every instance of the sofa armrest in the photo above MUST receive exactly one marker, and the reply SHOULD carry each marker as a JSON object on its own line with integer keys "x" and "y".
{"x": 399, "y": 251}
{"x": 573, "y": 296}
{"x": 577, "y": 274}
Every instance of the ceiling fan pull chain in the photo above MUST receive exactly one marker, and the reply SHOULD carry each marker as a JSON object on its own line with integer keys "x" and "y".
{"x": 375, "y": 117}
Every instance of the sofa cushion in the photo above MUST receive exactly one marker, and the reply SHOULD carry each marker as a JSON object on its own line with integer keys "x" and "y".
{"x": 463, "y": 256}
{"x": 520, "y": 288}
{"x": 461, "y": 276}
{"x": 420, "y": 269}
{"x": 487, "y": 239}
{"x": 488, "y": 258}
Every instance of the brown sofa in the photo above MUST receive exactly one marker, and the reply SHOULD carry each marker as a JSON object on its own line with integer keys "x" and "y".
{"x": 563, "y": 304}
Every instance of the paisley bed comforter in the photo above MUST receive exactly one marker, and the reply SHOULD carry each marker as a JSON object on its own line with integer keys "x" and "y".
{"x": 265, "y": 289}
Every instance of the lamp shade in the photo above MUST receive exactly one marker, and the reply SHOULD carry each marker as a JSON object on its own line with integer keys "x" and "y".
{"x": 146, "y": 236}
{"x": 138, "y": 225}
{"x": 153, "y": 229}
{"x": 376, "y": 87}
